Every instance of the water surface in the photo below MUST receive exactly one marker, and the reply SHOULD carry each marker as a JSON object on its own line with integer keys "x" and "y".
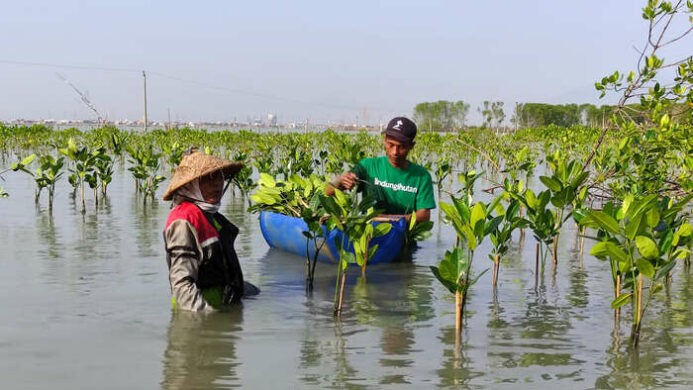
{"x": 85, "y": 303}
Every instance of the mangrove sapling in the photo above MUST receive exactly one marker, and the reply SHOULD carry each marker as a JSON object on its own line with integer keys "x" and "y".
{"x": 566, "y": 185}
{"x": 541, "y": 220}
{"x": 471, "y": 225}
{"x": 442, "y": 170}
{"x": 501, "y": 235}
{"x": 45, "y": 176}
{"x": 173, "y": 154}
{"x": 642, "y": 238}
{"x": 315, "y": 234}
{"x": 243, "y": 179}
{"x": 344, "y": 155}
{"x": 453, "y": 272}
{"x": 83, "y": 169}
{"x": 145, "y": 169}
{"x": 354, "y": 219}
{"x": 104, "y": 170}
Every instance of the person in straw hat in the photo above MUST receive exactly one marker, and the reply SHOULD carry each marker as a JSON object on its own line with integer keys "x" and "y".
{"x": 204, "y": 271}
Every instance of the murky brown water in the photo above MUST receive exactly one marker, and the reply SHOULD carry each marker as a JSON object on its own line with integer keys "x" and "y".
{"x": 85, "y": 304}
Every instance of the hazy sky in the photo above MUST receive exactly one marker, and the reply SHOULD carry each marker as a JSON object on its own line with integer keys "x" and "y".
{"x": 318, "y": 60}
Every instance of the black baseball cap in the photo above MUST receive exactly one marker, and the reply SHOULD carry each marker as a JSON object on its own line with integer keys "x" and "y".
{"x": 402, "y": 129}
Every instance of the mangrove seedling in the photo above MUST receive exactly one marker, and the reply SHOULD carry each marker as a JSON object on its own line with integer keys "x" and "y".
{"x": 145, "y": 169}
{"x": 83, "y": 169}
{"x": 501, "y": 235}
{"x": 454, "y": 272}
{"x": 355, "y": 220}
{"x": 471, "y": 225}
{"x": 45, "y": 176}
{"x": 243, "y": 179}
{"x": 567, "y": 189}
{"x": 642, "y": 238}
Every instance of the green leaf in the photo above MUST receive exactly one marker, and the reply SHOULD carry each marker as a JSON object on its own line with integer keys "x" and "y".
{"x": 645, "y": 267}
{"x": 604, "y": 221}
{"x": 652, "y": 217}
{"x": 382, "y": 229}
{"x": 551, "y": 183}
{"x": 29, "y": 159}
{"x": 621, "y": 300}
{"x": 647, "y": 247}
{"x": 684, "y": 230}
{"x": 662, "y": 271}
{"x": 633, "y": 226}
{"x": 665, "y": 241}
{"x": 478, "y": 214}
{"x": 451, "y": 286}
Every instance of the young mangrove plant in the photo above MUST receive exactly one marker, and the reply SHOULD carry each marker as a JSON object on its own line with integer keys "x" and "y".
{"x": 642, "y": 238}
{"x": 243, "y": 179}
{"x": 103, "y": 174}
{"x": 315, "y": 234}
{"x": 83, "y": 167}
{"x": 453, "y": 272}
{"x": 145, "y": 169}
{"x": 471, "y": 226}
{"x": 541, "y": 219}
{"x": 501, "y": 235}
{"x": 566, "y": 184}
{"x": 355, "y": 219}
{"x": 45, "y": 176}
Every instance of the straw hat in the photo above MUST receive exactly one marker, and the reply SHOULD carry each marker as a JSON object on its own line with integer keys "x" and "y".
{"x": 196, "y": 165}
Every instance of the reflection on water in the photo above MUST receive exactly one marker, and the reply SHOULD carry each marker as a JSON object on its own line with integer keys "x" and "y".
{"x": 200, "y": 353}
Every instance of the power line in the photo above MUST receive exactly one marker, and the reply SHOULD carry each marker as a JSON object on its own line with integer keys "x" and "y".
{"x": 194, "y": 82}
{"x": 49, "y": 65}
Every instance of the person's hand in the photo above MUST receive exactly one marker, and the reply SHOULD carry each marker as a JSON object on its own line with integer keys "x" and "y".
{"x": 348, "y": 180}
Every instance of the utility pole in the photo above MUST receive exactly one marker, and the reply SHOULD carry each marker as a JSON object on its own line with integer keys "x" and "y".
{"x": 144, "y": 76}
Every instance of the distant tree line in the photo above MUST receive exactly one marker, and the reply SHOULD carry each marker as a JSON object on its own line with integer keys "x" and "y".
{"x": 451, "y": 116}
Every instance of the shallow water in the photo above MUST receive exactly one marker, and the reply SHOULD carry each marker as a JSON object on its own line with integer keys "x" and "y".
{"x": 85, "y": 303}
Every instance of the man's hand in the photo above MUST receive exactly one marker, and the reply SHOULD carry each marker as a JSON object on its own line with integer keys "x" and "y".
{"x": 348, "y": 180}
{"x": 345, "y": 181}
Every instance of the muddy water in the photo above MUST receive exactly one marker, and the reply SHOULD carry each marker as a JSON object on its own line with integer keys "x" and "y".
{"x": 85, "y": 304}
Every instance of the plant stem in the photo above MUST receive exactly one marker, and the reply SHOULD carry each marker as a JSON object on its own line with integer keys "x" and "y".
{"x": 617, "y": 293}
{"x": 338, "y": 311}
{"x": 458, "y": 311}
{"x": 496, "y": 267}
{"x": 536, "y": 266}
{"x": 635, "y": 334}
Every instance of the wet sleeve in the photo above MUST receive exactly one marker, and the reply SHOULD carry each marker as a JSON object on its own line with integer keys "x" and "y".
{"x": 185, "y": 256}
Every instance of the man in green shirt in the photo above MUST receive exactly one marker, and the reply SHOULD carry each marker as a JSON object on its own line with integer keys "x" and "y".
{"x": 400, "y": 186}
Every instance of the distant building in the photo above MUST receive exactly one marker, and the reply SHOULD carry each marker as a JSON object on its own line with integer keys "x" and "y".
{"x": 271, "y": 120}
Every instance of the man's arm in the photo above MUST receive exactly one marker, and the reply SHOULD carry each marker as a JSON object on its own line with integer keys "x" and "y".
{"x": 423, "y": 215}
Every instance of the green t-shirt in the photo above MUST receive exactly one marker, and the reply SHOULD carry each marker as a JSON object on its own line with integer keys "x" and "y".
{"x": 397, "y": 191}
